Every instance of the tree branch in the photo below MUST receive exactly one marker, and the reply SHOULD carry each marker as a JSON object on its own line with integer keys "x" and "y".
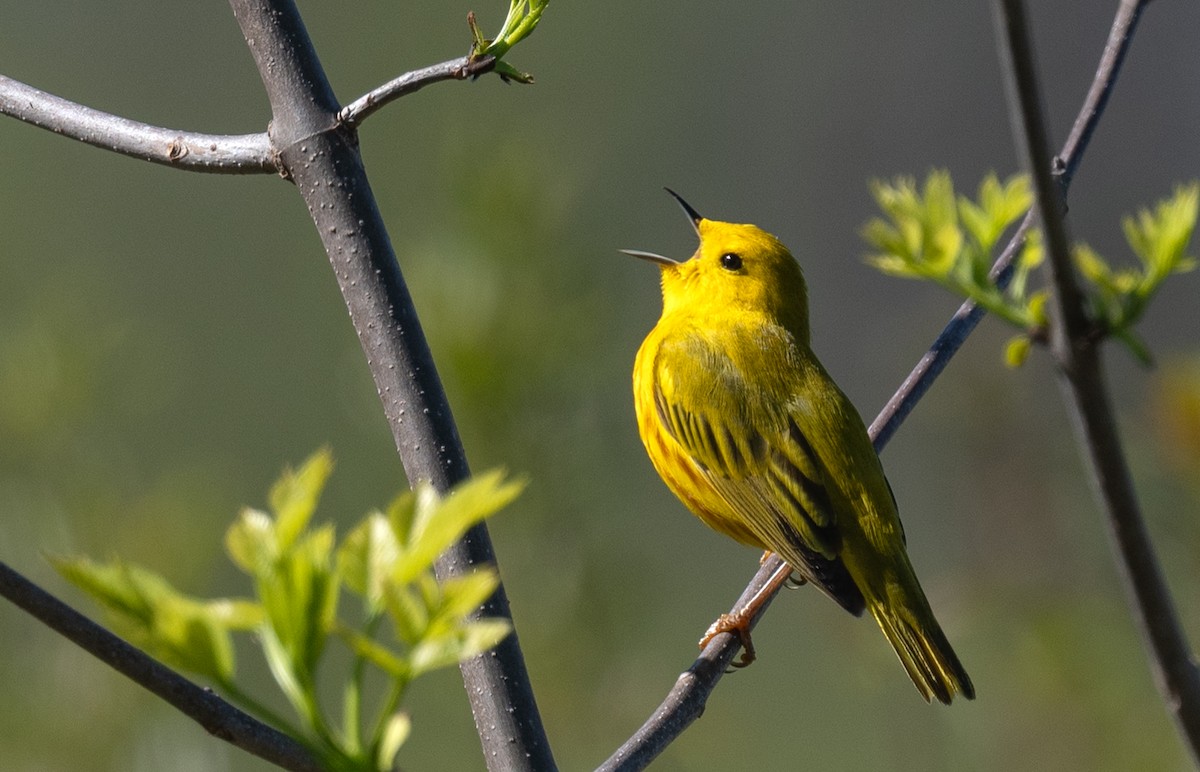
{"x": 218, "y": 717}
{"x": 216, "y": 153}
{"x": 1077, "y": 354}
{"x": 685, "y": 702}
{"x": 462, "y": 68}
{"x": 321, "y": 156}
{"x": 192, "y": 151}
{"x": 963, "y": 323}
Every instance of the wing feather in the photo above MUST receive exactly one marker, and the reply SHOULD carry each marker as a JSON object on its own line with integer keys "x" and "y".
{"x": 760, "y": 466}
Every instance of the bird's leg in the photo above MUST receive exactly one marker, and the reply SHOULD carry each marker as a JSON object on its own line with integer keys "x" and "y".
{"x": 738, "y": 622}
{"x": 794, "y": 580}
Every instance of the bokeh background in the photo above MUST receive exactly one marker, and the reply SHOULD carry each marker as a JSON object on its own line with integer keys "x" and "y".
{"x": 170, "y": 341}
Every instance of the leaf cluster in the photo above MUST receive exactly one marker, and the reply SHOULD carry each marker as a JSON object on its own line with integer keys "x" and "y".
{"x": 300, "y": 574}
{"x": 930, "y": 233}
{"x": 523, "y": 17}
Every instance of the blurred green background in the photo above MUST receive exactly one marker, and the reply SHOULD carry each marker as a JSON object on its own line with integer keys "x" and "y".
{"x": 169, "y": 341}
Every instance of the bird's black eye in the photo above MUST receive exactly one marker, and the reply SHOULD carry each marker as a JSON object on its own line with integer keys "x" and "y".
{"x": 731, "y": 261}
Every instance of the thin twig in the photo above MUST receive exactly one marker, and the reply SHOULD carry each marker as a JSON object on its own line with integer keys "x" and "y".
{"x": 215, "y": 153}
{"x": 1077, "y": 354}
{"x": 217, "y": 716}
{"x": 462, "y": 68}
{"x": 685, "y": 702}
{"x": 321, "y": 156}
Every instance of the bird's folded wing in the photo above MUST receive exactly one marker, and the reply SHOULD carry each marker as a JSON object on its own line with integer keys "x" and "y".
{"x": 755, "y": 457}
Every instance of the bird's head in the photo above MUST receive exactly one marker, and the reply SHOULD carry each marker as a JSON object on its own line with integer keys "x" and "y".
{"x": 737, "y": 268}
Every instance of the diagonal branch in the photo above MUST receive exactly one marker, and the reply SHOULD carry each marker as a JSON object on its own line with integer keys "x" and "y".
{"x": 218, "y": 717}
{"x": 1076, "y": 351}
{"x": 321, "y": 156}
{"x": 312, "y": 142}
{"x": 685, "y": 702}
{"x": 969, "y": 314}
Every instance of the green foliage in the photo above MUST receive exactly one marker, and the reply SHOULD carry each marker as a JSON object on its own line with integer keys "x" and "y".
{"x": 1159, "y": 239}
{"x": 523, "y": 17}
{"x": 298, "y": 574}
{"x": 931, "y": 234}
{"x": 184, "y": 632}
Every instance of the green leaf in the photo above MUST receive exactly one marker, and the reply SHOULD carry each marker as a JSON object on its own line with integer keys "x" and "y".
{"x": 1004, "y": 203}
{"x": 113, "y": 585}
{"x": 451, "y": 648}
{"x": 251, "y": 541}
{"x": 1032, "y": 255}
{"x": 183, "y": 632}
{"x": 366, "y": 557}
{"x": 1017, "y": 351}
{"x": 507, "y": 72}
{"x": 923, "y": 237}
{"x": 1093, "y": 268}
{"x": 395, "y": 733}
{"x": 191, "y": 638}
{"x": 401, "y": 513}
{"x": 930, "y": 233}
{"x": 298, "y": 572}
{"x": 895, "y": 266}
{"x": 1035, "y": 308}
{"x": 999, "y": 205}
{"x": 976, "y": 220}
{"x": 462, "y": 595}
{"x": 376, "y": 653}
{"x": 1160, "y": 239}
{"x": 439, "y": 522}
{"x": 283, "y": 670}
{"x": 294, "y": 496}
{"x": 236, "y": 614}
{"x": 523, "y": 17}
{"x": 299, "y": 596}
{"x": 1138, "y": 348}
{"x": 409, "y": 614}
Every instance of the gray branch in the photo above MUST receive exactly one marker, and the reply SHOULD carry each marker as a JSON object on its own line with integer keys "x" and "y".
{"x": 312, "y": 142}
{"x": 969, "y": 314}
{"x": 192, "y": 151}
{"x": 1076, "y": 351}
{"x": 218, "y": 717}
{"x": 218, "y": 153}
{"x": 462, "y": 68}
{"x": 320, "y": 154}
{"x": 685, "y": 702}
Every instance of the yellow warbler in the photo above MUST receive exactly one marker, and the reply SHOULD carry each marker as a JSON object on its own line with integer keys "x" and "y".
{"x": 748, "y": 430}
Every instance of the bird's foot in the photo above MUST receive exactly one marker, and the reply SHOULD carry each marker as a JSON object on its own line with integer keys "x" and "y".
{"x": 736, "y": 624}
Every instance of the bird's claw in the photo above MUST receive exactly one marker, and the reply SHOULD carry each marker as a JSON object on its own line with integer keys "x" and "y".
{"x": 735, "y": 624}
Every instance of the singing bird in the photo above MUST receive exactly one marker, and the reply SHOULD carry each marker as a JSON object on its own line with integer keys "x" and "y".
{"x": 746, "y": 427}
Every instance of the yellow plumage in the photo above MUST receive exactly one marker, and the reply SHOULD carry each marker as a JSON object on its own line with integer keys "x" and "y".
{"x": 745, "y": 426}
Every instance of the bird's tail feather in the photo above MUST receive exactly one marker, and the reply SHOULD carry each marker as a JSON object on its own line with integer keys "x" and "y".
{"x": 909, "y": 625}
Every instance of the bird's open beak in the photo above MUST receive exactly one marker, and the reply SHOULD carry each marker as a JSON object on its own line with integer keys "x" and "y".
{"x": 661, "y": 260}
{"x": 692, "y": 214}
